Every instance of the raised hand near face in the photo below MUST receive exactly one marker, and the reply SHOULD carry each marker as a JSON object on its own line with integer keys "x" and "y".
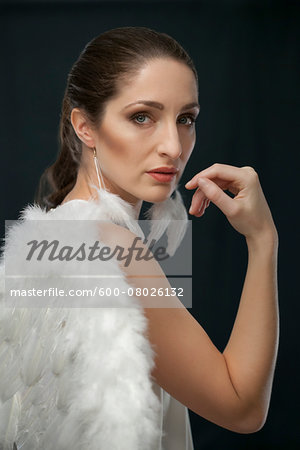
{"x": 248, "y": 212}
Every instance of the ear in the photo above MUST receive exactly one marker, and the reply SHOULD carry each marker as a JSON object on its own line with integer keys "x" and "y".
{"x": 82, "y": 127}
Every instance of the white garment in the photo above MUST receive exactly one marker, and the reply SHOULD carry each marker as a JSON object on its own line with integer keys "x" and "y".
{"x": 29, "y": 364}
{"x": 176, "y": 431}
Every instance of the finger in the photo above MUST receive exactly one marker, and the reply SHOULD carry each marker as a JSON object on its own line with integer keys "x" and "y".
{"x": 216, "y": 195}
{"x": 219, "y": 171}
{"x": 197, "y": 201}
{"x": 201, "y": 211}
{"x": 207, "y": 202}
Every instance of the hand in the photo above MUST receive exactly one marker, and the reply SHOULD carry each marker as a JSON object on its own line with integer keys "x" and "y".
{"x": 247, "y": 212}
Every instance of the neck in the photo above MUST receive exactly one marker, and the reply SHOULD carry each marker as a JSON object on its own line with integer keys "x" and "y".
{"x": 83, "y": 190}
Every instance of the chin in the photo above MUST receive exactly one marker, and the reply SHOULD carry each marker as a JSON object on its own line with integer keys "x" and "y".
{"x": 157, "y": 195}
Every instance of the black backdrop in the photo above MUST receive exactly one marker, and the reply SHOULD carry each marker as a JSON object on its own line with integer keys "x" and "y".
{"x": 247, "y": 56}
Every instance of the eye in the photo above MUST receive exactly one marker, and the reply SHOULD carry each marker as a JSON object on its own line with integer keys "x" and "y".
{"x": 190, "y": 117}
{"x": 138, "y": 118}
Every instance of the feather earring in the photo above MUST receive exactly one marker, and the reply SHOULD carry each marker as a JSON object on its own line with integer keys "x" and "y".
{"x": 170, "y": 216}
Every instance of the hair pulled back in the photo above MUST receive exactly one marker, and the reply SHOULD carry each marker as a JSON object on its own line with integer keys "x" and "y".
{"x": 94, "y": 79}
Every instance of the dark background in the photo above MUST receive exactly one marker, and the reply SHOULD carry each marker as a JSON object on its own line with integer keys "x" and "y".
{"x": 247, "y": 57}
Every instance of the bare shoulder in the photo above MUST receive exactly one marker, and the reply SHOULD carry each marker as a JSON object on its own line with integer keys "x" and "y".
{"x": 187, "y": 363}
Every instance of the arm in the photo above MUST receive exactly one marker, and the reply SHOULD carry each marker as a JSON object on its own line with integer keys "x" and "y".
{"x": 187, "y": 363}
{"x": 231, "y": 389}
{"x": 251, "y": 351}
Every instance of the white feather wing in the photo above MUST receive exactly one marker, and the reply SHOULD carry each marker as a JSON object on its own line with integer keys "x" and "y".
{"x": 73, "y": 378}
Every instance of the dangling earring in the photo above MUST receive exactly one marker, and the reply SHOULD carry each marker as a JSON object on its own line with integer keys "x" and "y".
{"x": 170, "y": 216}
{"x": 97, "y": 170}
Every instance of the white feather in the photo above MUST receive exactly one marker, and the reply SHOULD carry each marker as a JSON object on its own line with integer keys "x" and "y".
{"x": 170, "y": 216}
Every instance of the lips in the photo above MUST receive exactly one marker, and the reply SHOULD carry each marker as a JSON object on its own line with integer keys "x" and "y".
{"x": 162, "y": 177}
{"x": 164, "y": 170}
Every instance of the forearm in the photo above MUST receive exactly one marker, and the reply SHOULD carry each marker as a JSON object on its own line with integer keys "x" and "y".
{"x": 251, "y": 351}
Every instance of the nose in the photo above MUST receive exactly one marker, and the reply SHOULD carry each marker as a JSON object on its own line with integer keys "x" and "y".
{"x": 169, "y": 143}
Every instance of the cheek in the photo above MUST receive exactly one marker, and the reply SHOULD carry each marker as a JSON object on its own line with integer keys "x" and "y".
{"x": 115, "y": 141}
{"x": 186, "y": 157}
{"x": 188, "y": 143}
{"x": 123, "y": 149}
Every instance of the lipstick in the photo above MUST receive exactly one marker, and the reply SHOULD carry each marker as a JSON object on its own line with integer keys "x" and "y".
{"x": 163, "y": 174}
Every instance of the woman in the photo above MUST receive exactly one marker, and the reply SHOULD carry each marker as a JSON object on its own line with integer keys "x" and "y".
{"x": 127, "y": 131}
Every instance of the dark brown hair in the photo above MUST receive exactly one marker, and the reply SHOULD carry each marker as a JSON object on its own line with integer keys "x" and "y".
{"x": 96, "y": 77}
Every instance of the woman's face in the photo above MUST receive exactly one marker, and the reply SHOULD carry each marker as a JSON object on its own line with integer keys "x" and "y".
{"x": 134, "y": 139}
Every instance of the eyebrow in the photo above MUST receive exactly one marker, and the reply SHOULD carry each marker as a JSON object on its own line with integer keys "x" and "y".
{"x": 160, "y": 105}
